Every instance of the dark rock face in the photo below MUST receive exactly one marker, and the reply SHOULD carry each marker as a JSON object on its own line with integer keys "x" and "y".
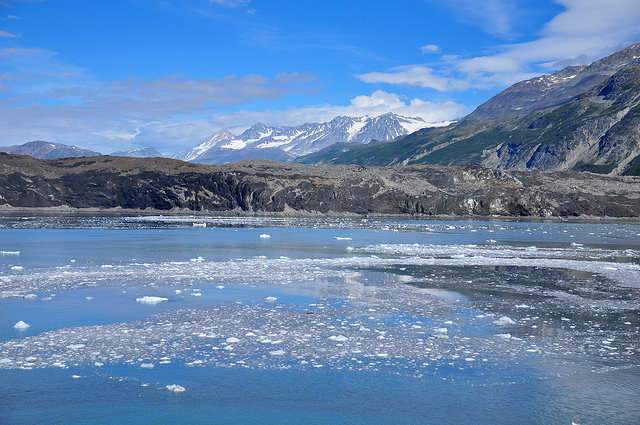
{"x": 164, "y": 184}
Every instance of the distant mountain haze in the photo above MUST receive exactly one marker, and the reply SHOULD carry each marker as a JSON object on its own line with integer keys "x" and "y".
{"x": 47, "y": 150}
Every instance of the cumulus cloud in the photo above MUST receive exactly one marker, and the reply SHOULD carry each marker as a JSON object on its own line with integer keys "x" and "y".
{"x": 376, "y": 103}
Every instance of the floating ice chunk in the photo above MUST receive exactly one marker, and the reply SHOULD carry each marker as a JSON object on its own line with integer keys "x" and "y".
{"x": 98, "y": 364}
{"x": 30, "y": 297}
{"x": 443, "y": 331}
{"x": 504, "y": 321}
{"x": 232, "y": 340}
{"x": 76, "y": 376}
{"x": 175, "y": 388}
{"x": 151, "y": 300}
{"x": 16, "y": 268}
{"x": 178, "y": 291}
{"x": 338, "y": 338}
{"x": 277, "y": 353}
{"x": 220, "y": 287}
{"x": 106, "y": 266}
{"x": 88, "y": 298}
{"x": 343, "y": 238}
{"x": 504, "y": 336}
{"x": 9, "y": 252}
{"x": 199, "y": 224}
{"x": 147, "y": 365}
{"x": 264, "y": 236}
{"x": 75, "y": 346}
{"x": 21, "y": 326}
{"x": 197, "y": 260}
{"x": 271, "y": 299}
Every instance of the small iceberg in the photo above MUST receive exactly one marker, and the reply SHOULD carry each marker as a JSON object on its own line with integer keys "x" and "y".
{"x": 265, "y": 236}
{"x": 175, "y": 388}
{"x": 199, "y": 224}
{"x": 338, "y": 338}
{"x": 271, "y": 299}
{"x": 151, "y": 300}
{"x": 9, "y": 252}
{"x": 343, "y": 238}
{"x": 504, "y": 321}
{"x": 22, "y": 326}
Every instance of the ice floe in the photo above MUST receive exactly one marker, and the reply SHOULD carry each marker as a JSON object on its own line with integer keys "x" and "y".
{"x": 151, "y": 300}
{"x": 175, "y": 388}
{"x": 285, "y": 270}
{"x": 21, "y": 325}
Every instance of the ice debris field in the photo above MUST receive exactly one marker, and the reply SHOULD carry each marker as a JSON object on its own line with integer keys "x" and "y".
{"x": 409, "y": 308}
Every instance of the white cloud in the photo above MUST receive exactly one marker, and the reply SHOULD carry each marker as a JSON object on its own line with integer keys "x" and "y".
{"x": 413, "y": 75}
{"x": 497, "y": 17}
{"x": 430, "y": 48}
{"x": 46, "y": 99}
{"x": 378, "y": 102}
{"x": 43, "y": 98}
{"x": 584, "y": 31}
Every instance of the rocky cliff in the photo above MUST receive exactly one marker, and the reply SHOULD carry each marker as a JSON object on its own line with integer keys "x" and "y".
{"x": 252, "y": 187}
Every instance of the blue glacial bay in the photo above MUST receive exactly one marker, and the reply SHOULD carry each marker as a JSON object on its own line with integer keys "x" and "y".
{"x": 155, "y": 320}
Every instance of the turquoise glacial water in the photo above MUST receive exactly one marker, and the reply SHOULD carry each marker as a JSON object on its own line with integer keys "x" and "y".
{"x": 325, "y": 321}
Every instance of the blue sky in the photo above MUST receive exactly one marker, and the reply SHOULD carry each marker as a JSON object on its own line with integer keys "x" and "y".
{"x": 110, "y": 75}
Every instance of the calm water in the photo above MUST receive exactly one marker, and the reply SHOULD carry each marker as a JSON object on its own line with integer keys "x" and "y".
{"x": 318, "y": 321}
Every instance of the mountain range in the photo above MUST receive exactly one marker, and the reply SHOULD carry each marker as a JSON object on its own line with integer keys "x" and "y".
{"x": 286, "y": 143}
{"x": 47, "y": 150}
{"x": 584, "y": 118}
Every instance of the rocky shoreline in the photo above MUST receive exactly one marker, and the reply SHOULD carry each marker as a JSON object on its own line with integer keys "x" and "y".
{"x": 117, "y": 184}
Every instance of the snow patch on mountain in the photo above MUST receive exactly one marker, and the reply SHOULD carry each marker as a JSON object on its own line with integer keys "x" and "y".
{"x": 289, "y": 142}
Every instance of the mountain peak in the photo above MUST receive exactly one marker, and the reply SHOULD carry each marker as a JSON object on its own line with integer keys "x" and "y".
{"x": 48, "y": 150}
{"x": 289, "y": 142}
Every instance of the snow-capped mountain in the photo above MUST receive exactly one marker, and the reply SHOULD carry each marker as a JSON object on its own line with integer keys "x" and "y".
{"x": 287, "y": 143}
{"x": 145, "y": 152}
